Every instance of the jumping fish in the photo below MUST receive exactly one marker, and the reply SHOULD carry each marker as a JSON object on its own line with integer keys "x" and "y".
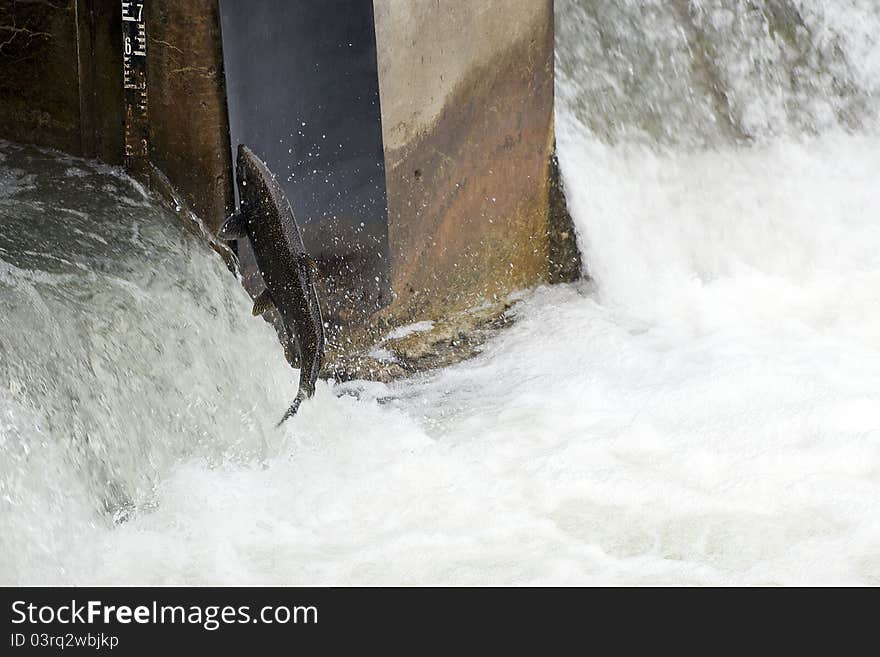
{"x": 266, "y": 219}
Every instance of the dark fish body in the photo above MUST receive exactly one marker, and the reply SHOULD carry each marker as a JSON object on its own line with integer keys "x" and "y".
{"x": 267, "y": 220}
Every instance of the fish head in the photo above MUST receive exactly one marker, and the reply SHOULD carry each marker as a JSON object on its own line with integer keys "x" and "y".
{"x": 253, "y": 176}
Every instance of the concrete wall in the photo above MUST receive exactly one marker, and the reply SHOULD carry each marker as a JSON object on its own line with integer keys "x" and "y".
{"x": 189, "y": 129}
{"x": 467, "y": 111}
{"x": 60, "y": 85}
{"x": 428, "y": 48}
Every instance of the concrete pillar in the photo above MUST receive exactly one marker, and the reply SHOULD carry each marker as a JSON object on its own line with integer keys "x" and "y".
{"x": 467, "y": 112}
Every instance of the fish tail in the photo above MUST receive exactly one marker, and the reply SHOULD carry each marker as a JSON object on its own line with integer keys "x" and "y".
{"x": 294, "y": 407}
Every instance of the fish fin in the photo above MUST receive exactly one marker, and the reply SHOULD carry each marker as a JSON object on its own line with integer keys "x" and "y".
{"x": 263, "y": 303}
{"x": 294, "y": 407}
{"x": 234, "y": 228}
{"x": 308, "y": 262}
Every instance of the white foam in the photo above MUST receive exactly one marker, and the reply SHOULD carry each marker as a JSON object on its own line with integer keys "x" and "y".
{"x": 410, "y": 329}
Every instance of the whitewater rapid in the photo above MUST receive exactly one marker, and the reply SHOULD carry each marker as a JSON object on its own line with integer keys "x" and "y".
{"x": 704, "y": 410}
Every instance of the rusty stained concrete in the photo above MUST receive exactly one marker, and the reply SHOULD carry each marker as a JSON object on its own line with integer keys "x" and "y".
{"x": 38, "y": 42}
{"x": 426, "y": 48}
{"x": 61, "y": 87}
{"x": 189, "y": 132}
{"x": 468, "y": 185}
{"x": 476, "y": 208}
{"x": 61, "y": 76}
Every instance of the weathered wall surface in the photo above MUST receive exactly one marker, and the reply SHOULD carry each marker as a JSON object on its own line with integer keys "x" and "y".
{"x": 39, "y": 42}
{"x": 467, "y": 109}
{"x": 189, "y": 130}
{"x": 100, "y": 47}
{"x": 427, "y": 48}
{"x": 60, "y": 85}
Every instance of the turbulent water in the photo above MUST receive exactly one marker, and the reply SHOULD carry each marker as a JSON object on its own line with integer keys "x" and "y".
{"x": 705, "y": 410}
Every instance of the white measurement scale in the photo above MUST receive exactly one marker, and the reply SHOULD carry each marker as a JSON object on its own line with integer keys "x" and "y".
{"x": 134, "y": 67}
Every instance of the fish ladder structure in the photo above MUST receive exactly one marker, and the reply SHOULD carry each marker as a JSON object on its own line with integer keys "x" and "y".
{"x": 414, "y": 140}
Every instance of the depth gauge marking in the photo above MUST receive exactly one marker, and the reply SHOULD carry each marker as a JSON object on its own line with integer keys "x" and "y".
{"x": 134, "y": 75}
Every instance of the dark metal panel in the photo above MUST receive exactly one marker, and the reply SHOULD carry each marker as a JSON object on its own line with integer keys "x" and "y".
{"x": 303, "y": 94}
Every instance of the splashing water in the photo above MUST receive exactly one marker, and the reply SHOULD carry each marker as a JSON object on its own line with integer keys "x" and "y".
{"x": 706, "y": 410}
